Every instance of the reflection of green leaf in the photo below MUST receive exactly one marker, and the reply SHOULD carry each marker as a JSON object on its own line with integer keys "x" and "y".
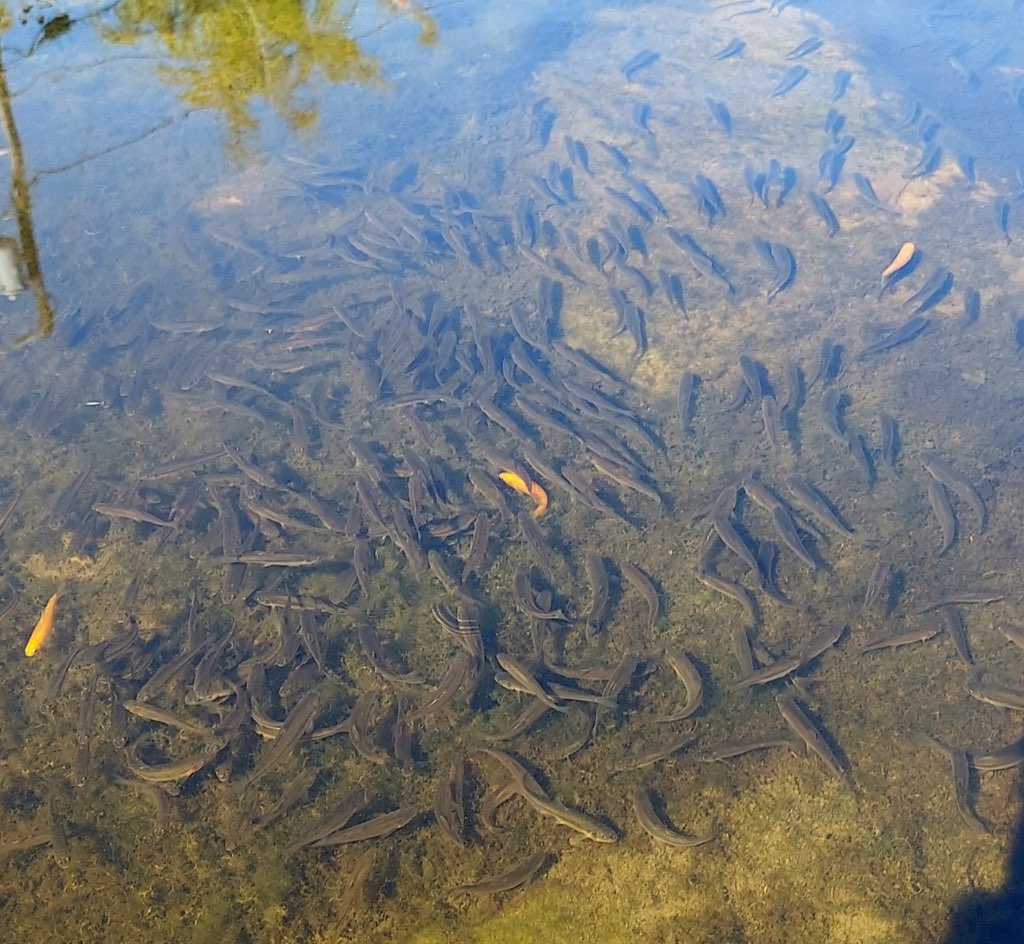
{"x": 59, "y": 25}
{"x": 235, "y": 51}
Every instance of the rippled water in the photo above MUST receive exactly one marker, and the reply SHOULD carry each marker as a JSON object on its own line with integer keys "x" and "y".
{"x": 354, "y": 263}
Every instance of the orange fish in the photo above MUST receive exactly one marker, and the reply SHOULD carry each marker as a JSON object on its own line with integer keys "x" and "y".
{"x": 516, "y": 481}
{"x": 540, "y": 497}
{"x": 902, "y": 258}
{"x": 43, "y": 628}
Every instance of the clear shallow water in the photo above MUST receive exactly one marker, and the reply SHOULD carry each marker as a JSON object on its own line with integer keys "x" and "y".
{"x": 339, "y": 224}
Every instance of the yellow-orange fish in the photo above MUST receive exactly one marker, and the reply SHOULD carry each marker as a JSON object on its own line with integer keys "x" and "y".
{"x": 516, "y": 481}
{"x": 540, "y": 497}
{"x": 43, "y": 628}
{"x": 904, "y": 256}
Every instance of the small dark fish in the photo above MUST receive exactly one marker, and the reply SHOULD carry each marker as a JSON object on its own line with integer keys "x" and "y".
{"x": 963, "y": 597}
{"x": 702, "y": 261}
{"x": 641, "y": 582}
{"x": 734, "y": 47}
{"x": 956, "y": 629}
{"x": 790, "y": 81}
{"x": 938, "y": 498}
{"x": 828, "y": 361}
{"x": 972, "y": 305}
{"x": 960, "y": 487}
{"x": 1003, "y": 218}
{"x": 825, "y": 212}
{"x": 642, "y": 60}
{"x": 840, "y": 83}
{"x": 785, "y": 268}
{"x": 1012, "y": 755}
{"x": 379, "y": 826}
{"x": 878, "y": 583}
{"x": 867, "y": 193}
{"x": 997, "y": 695}
{"x": 656, "y": 828}
{"x": 516, "y": 877}
{"x": 790, "y": 536}
{"x": 890, "y": 439}
{"x": 835, "y": 122}
{"x": 812, "y": 501}
{"x": 927, "y": 164}
{"x": 833, "y": 403}
{"x": 721, "y": 114}
{"x": 859, "y": 453}
{"x": 772, "y": 423}
{"x": 598, "y": 574}
{"x": 908, "y": 638}
{"x": 938, "y": 286}
{"x": 805, "y": 48}
{"x": 688, "y": 384}
{"x": 966, "y": 164}
{"x": 810, "y": 734}
{"x": 672, "y": 285}
{"x": 909, "y": 330}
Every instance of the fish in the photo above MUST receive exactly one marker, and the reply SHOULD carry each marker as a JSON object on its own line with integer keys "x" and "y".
{"x": 526, "y": 680}
{"x": 812, "y": 501}
{"x": 960, "y": 487}
{"x": 840, "y": 83}
{"x": 906, "y": 332}
{"x": 580, "y": 822}
{"x": 297, "y": 724}
{"x": 598, "y": 575}
{"x": 833, "y": 402}
{"x": 1002, "y": 213}
{"x": 43, "y": 628}
{"x": 890, "y": 439}
{"x": 450, "y": 803}
{"x": 908, "y": 638}
{"x": 868, "y": 195}
{"x": 972, "y": 305}
{"x": 172, "y": 771}
{"x": 823, "y": 210}
{"x": 905, "y": 254}
{"x": 693, "y": 684}
{"x": 928, "y": 163}
{"x": 997, "y": 695}
{"x": 771, "y": 419}
{"x": 810, "y": 734}
{"x": 643, "y": 807}
{"x": 642, "y": 60}
{"x": 938, "y": 498}
{"x": 878, "y": 582}
{"x": 333, "y": 820}
{"x": 515, "y": 877}
{"x": 793, "y": 77}
{"x": 805, "y": 48}
{"x": 701, "y": 261}
{"x": 688, "y": 384}
{"x": 938, "y": 286}
{"x": 375, "y": 828}
{"x": 721, "y": 114}
{"x": 137, "y": 515}
{"x": 787, "y": 531}
{"x": 956, "y": 629}
{"x": 734, "y": 47}
{"x": 641, "y": 582}
{"x": 963, "y": 597}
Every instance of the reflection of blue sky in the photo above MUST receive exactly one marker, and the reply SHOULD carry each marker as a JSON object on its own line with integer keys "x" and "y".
{"x": 131, "y": 157}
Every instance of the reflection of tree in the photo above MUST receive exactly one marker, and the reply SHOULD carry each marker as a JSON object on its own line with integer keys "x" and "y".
{"x": 22, "y": 201}
{"x": 237, "y": 50}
